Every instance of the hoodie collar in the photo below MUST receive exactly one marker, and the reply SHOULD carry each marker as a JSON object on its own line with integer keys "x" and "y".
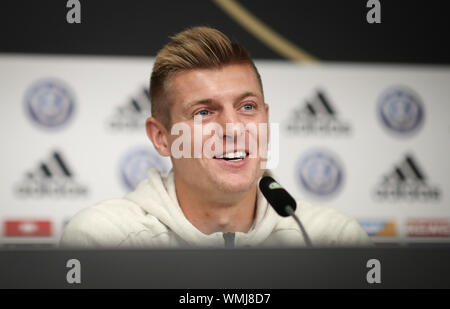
{"x": 157, "y": 196}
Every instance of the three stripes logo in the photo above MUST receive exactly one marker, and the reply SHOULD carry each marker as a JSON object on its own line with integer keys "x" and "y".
{"x": 132, "y": 114}
{"x": 317, "y": 116}
{"x": 407, "y": 181}
{"x": 51, "y": 178}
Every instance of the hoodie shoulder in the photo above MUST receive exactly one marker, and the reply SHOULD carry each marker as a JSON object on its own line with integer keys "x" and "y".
{"x": 108, "y": 224}
{"x": 327, "y": 226}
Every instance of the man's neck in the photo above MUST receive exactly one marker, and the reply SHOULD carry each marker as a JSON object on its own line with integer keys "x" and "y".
{"x": 210, "y": 214}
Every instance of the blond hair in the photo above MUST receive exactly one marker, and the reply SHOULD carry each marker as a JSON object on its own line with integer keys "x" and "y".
{"x": 194, "y": 48}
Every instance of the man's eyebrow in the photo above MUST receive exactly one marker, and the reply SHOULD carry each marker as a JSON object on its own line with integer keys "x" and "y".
{"x": 211, "y": 101}
{"x": 198, "y": 102}
{"x": 247, "y": 94}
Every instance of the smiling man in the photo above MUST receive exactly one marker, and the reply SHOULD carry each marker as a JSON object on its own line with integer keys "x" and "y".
{"x": 210, "y": 198}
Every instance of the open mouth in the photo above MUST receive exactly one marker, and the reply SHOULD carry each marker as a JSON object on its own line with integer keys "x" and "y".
{"x": 233, "y": 156}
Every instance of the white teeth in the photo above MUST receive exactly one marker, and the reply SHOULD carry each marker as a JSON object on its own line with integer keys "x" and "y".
{"x": 233, "y": 155}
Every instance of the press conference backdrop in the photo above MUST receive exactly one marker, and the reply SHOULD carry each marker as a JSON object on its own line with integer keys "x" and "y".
{"x": 369, "y": 137}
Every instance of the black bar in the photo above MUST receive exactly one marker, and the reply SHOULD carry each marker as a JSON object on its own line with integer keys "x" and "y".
{"x": 147, "y": 93}
{"x": 325, "y": 103}
{"x": 139, "y": 27}
{"x": 63, "y": 166}
{"x": 136, "y": 105}
{"x": 400, "y": 174}
{"x": 334, "y": 268}
{"x": 46, "y": 171}
{"x": 414, "y": 168}
{"x": 310, "y": 109}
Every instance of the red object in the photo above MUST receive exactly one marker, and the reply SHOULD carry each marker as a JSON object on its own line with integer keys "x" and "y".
{"x": 27, "y": 228}
{"x": 428, "y": 227}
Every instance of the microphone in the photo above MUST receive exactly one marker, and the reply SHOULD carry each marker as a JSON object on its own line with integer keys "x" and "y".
{"x": 283, "y": 203}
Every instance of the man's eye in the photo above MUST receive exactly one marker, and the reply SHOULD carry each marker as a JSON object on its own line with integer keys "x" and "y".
{"x": 203, "y": 112}
{"x": 248, "y": 107}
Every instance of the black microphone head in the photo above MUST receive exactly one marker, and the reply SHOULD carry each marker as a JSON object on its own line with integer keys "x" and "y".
{"x": 278, "y": 197}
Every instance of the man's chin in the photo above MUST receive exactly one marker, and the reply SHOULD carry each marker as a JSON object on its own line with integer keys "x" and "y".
{"x": 235, "y": 183}
{"x": 235, "y": 180}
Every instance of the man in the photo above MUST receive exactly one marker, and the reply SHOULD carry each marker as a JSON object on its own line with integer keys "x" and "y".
{"x": 206, "y": 200}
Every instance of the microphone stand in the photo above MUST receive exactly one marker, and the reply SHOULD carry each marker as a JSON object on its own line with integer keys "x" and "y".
{"x": 291, "y": 212}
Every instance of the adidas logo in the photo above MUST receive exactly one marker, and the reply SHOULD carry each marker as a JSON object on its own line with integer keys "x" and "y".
{"x": 51, "y": 178}
{"x": 317, "y": 116}
{"x": 132, "y": 114}
{"x": 407, "y": 181}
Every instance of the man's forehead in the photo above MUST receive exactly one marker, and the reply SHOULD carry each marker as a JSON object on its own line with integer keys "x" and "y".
{"x": 231, "y": 81}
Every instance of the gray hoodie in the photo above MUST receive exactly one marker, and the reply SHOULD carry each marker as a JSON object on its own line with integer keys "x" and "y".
{"x": 150, "y": 217}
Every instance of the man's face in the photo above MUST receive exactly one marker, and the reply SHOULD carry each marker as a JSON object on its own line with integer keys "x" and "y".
{"x": 227, "y": 96}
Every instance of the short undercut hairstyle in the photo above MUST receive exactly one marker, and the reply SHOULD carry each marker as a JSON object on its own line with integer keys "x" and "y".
{"x": 194, "y": 48}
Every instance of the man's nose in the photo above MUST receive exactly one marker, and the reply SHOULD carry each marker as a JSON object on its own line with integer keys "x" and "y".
{"x": 228, "y": 115}
{"x": 231, "y": 124}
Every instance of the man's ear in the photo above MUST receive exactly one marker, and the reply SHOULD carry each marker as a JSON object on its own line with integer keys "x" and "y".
{"x": 158, "y": 134}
